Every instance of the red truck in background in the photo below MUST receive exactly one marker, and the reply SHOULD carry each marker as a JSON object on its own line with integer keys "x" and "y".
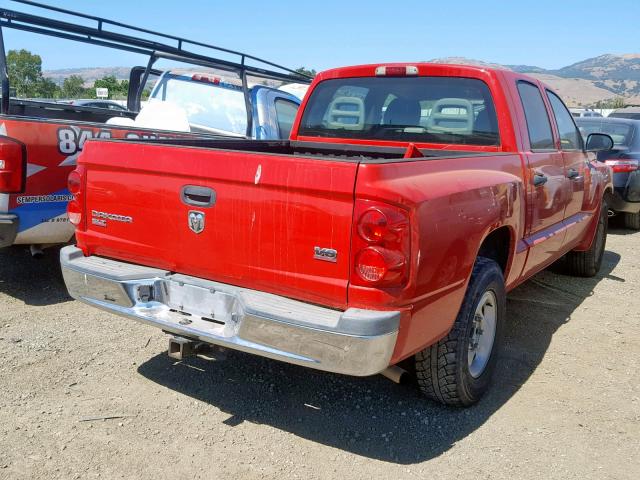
{"x": 408, "y": 201}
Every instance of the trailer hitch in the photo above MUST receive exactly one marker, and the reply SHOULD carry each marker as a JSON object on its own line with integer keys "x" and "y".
{"x": 181, "y": 348}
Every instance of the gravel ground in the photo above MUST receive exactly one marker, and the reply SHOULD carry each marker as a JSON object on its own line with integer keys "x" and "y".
{"x": 565, "y": 402}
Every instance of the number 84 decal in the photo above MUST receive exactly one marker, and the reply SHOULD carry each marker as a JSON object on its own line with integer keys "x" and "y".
{"x": 71, "y": 139}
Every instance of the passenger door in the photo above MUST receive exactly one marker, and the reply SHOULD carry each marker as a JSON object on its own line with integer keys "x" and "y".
{"x": 575, "y": 161}
{"x": 546, "y": 191}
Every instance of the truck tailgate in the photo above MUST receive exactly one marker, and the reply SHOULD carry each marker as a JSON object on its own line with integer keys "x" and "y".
{"x": 268, "y": 213}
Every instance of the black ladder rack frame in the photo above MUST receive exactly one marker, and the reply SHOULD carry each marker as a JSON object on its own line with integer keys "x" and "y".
{"x": 99, "y": 35}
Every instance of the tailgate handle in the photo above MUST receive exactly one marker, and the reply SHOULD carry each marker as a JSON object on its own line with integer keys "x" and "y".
{"x": 198, "y": 196}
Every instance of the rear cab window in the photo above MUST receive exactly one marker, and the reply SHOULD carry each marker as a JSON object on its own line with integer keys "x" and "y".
{"x": 210, "y": 103}
{"x": 444, "y": 110}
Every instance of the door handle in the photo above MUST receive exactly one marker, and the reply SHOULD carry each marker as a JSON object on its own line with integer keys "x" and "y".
{"x": 198, "y": 196}
{"x": 572, "y": 173}
{"x": 539, "y": 179}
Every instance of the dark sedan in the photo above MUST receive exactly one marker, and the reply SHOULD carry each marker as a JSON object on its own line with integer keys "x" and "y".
{"x": 624, "y": 160}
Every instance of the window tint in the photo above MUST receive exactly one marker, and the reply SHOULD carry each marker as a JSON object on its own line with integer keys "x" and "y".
{"x": 570, "y": 138}
{"x": 449, "y": 110}
{"x": 538, "y": 125}
{"x": 285, "y": 115}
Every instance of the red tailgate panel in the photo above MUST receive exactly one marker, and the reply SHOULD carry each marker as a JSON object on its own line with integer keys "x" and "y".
{"x": 271, "y": 211}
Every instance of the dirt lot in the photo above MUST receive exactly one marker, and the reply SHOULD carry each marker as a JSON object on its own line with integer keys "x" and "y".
{"x": 565, "y": 403}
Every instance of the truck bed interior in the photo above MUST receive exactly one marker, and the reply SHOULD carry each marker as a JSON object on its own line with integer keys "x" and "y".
{"x": 63, "y": 111}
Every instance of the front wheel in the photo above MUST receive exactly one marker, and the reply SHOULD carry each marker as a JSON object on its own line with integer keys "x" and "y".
{"x": 587, "y": 263}
{"x": 457, "y": 370}
{"x": 632, "y": 220}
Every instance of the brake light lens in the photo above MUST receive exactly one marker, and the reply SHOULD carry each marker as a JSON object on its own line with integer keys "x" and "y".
{"x": 75, "y": 184}
{"x": 12, "y": 166}
{"x": 381, "y": 245}
{"x": 370, "y": 265}
{"x": 74, "y": 212}
{"x": 397, "y": 71}
{"x": 373, "y": 225}
{"x": 205, "y": 79}
{"x": 623, "y": 166}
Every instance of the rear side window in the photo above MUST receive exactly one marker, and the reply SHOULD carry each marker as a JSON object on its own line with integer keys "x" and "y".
{"x": 570, "y": 138}
{"x": 450, "y": 110}
{"x": 285, "y": 115}
{"x": 538, "y": 124}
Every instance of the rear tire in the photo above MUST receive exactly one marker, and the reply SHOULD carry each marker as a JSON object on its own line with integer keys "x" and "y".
{"x": 632, "y": 220}
{"x": 587, "y": 263}
{"x": 457, "y": 370}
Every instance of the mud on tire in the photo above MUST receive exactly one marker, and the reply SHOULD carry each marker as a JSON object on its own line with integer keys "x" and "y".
{"x": 444, "y": 370}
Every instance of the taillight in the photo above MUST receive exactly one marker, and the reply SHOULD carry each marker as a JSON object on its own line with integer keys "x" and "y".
{"x": 623, "y": 166}
{"x": 381, "y": 244}
{"x": 74, "y": 183}
{"x": 75, "y": 208}
{"x": 12, "y": 166}
{"x": 74, "y": 212}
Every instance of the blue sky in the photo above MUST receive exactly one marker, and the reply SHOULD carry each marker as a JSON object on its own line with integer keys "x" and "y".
{"x": 326, "y": 34}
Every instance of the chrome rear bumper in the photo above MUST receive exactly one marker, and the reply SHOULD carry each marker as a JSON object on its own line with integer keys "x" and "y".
{"x": 354, "y": 342}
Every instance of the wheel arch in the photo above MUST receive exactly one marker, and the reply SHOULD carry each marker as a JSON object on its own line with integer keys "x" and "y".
{"x": 499, "y": 245}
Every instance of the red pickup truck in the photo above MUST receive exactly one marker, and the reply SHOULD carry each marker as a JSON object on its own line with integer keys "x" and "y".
{"x": 407, "y": 202}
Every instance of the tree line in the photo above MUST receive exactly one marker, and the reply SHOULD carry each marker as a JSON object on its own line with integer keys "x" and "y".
{"x": 27, "y": 80}
{"x": 617, "y": 102}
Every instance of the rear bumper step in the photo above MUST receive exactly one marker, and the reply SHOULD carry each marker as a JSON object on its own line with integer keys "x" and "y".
{"x": 354, "y": 342}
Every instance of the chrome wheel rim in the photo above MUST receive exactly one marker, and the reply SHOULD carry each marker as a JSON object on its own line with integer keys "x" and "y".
{"x": 483, "y": 333}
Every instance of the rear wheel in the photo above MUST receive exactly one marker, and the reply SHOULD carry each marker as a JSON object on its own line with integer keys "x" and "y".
{"x": 587, "y": 263}
{"x": 457, "y": 370}
{"x": 632, "y": 220}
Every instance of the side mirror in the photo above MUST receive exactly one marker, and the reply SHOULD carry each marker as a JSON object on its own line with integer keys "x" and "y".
{"x": 599, "y": 142}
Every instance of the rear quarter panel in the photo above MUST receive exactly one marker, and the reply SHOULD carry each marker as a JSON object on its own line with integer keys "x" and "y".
{"x": 454, "y": 204}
